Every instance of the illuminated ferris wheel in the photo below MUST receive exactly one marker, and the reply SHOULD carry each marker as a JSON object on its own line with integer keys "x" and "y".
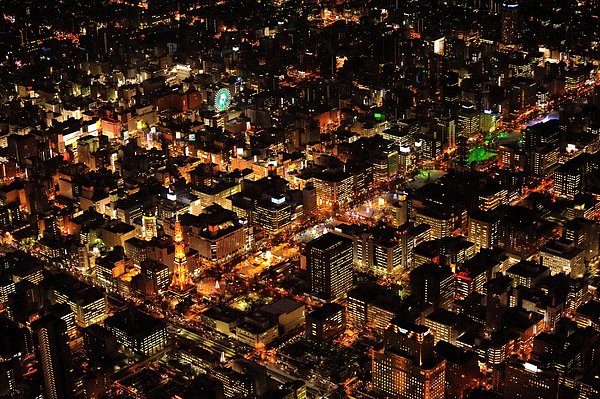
{"x": 222, "y": 100}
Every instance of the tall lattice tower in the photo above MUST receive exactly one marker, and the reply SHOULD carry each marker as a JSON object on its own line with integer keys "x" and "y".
{"x": 182, "y": 284}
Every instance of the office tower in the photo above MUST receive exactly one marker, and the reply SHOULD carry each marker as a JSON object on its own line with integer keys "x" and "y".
{"x": 522, "y": 94}
{"x": 256, "y": 373}
{"x": 527, "y": 273}
{"x": 245, "y": 379}
{"x": 204, "y": 386}
{"x": 54, "y": 355}
{"x": 138, "y": 331}
{"x": 562, "y": 256}
{"x": 498, "y": 300}
{"x": 155, "y": 277}
{"x": 182, "y": 284}
{"x": 469, "y": 120}
{"x": 573, "y": 177}
{"x": 148, "y": 225}
{"x": 511, "y": 24}
{"x": 542, "y": 135}
{"x": 99, "y": 343}
{"x": 10, "y": 366}
{"x": 7, "y": 287}
{"x": 585, "y": 234}
{"x": 407, "y": 368}
{"x": 96, "y": 384}
{"x": 446, "y": 127}
{"x": 525, "y": 380}
{"x": 387, "y": 249}
{"x": 274, "y": 213}
{"x": 88, "y": 303}
{"x": 64, "y": 311}
{"x": 483, "y": 228}
{"x": 462, "y": 369}
{"x": 326, "y": 322}
{"x": 568, "y": 180}
{"x": 430, "y": 283}
{"x": 492, "y": 197}
{"x": 309, "y": 199}
{"x": 14, "y": 345}
{"x": 217, "y": 234}
{"x": 329, "y": 260}
{"x": 471, "y": 275}
{"x": 521, "y": 232}
{"x": 370, "y": 304}
{"x": 334, "y": 190}
{"x": 399, "y": 210}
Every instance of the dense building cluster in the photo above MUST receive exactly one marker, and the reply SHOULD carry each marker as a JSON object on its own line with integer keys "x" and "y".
{"x": 290, "y": 199}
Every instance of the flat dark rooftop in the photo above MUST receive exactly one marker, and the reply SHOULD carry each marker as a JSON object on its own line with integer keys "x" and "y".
{"x": 590, "y": 309}
{"x": 135, "y": 323}
{"x": 377, "y": 295}
{"x": 326, "y": 311}
{"x": 327, "y": 240}
{"x": 527, "y": 269}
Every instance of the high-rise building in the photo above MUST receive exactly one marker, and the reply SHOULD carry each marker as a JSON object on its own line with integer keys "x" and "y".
{"x": 309, "y": 199}
{"x": 217, "y": 234}
{"x": 563, "y": 257}
{"x": 483, "y": 228}
{"x": 498, "y": 300}
{"x": 334, "y": 190}
{"x": 585, "y": 234}
{"x": 542, "y": 159}
{"x": 95, "y": 384}
{"x": 54, "y": 354}
{"x": 372, "y": 305}
{"x": 430, "y": 283}
{"x": 407, "y": 368}
{"x": 446, "y": 127}
{"x": 510, "y": 30}
{"x": 244, "y": 379}
{"x": 462, "y": 370}
{"x": 65, "y": 312}
{"x": 524, "y": 380}
{"x": 527, "y": 273}
{"x": 13, "y": 346}
{"x": 492, "y": 197}
{"x": 572, "y": 177}
{"x": 588, "y": 315}
{"x": 521, "y": 232}
{"x": 274, "y": 213}
{"x": 88, "y": 303}
{"x": 138, "y": 331}
{"x": 472, "y": 274}
{"x": 182, "y": 284}
{"x": 149, "y": 230}
{"x": 326, "y": 322}
{"x": 522, "y": 94}
{"x": 469, "y": 120}
{"x": 155, "y": 277}
{"x": 542, "y": 135}
{"x": 399, "y": 210}
{"x": 7, "y": 287}
{"x": 99, "y": 343}
{"x": 443, "y": 221}
{"x": 329, "y": 260}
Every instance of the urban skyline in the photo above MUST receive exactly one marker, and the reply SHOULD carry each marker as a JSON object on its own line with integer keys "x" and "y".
{"x": 298, "y": 199}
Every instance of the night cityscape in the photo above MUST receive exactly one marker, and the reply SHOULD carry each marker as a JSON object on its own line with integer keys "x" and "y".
{"x": 299, "y": 199}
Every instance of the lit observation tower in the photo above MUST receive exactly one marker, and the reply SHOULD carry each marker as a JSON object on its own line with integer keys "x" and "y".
{"x": 182, "y": 284}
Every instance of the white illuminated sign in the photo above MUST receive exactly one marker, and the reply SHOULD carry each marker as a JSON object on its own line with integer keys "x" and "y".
{"x": 531, "y": 367}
